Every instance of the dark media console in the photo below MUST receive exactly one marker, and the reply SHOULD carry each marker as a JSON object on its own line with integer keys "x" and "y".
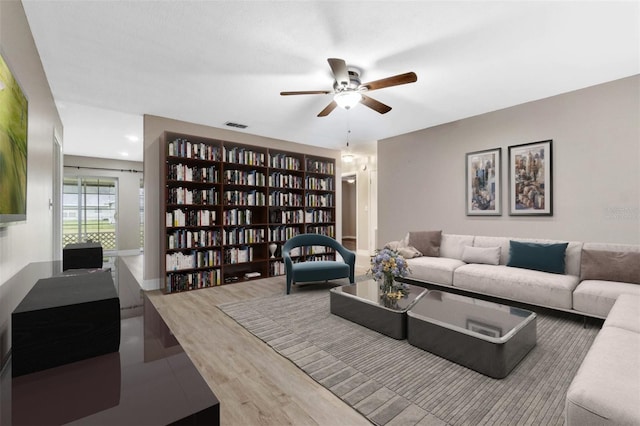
{"x": 65, "y": 319}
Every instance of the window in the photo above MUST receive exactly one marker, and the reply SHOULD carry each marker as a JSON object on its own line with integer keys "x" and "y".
{"x": 89, "y": 211}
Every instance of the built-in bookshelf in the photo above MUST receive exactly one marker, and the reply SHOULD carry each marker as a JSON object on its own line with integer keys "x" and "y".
{"x": 229, "y": 208}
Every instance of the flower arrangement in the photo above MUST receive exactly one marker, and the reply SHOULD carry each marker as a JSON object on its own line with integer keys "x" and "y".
{"x": 386, "y": 265}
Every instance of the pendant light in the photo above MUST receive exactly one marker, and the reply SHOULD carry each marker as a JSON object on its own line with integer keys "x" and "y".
{"x": 347, "y": 157}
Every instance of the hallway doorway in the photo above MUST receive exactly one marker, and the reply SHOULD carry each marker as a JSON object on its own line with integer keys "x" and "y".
{"x": 349, "y": 212}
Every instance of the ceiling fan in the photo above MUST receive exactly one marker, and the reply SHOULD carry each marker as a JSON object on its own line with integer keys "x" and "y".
{"x": 348, "y": 91}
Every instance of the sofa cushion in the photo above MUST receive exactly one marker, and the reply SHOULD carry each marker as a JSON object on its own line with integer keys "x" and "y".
{"x": 403, "y": 249}
{"x": 596, "y": 297}
{"x": 625, "y": 313}
{"x": 538, "y": 256}
{"x": 501, "y": 242}
{"x": 408, "y": 252}
{"x": 488, "y": 255}
{"x": 437, "y": 270}
{"x": 394, "y": 245}
{"x": 572, "y": 255}
{"x": 453, "y": 245}
{"x": 426, "y": 242}
{"x": 524, "y": 285}
{"x": 623, "y": 266}
{"x": 606, "y": 388}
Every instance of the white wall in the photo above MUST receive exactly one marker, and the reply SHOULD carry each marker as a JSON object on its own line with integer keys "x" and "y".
{"x": 128, "y": 175}
{"x": 596, "y": 169}
{"x": 154, "y": 127}
{"x": 23, "y": 243}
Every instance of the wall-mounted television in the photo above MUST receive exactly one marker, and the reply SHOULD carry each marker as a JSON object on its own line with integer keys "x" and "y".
{"x": 13, "y": 148}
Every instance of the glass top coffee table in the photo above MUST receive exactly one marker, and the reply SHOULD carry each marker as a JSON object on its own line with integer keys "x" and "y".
{"x": 487, "y": 337}
{"x": 363, "y": 304}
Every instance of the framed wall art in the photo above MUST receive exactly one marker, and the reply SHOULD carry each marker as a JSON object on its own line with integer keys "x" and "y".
{"x": 483, "y": 183}
{"x": 14, "y": 109}
{"x": 530, "y": 179}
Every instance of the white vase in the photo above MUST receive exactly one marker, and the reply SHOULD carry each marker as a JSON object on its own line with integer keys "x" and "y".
{"x": 272, "y": 249}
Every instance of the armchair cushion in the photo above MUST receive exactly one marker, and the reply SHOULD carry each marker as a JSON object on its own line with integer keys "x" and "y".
{"x": 320, "y": 270}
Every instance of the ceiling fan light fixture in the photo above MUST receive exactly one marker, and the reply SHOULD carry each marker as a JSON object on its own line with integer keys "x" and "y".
{"x": 347, "y": 99}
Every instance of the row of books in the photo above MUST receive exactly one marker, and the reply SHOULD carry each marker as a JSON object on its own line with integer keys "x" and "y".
{"x": 176, "y": 282}
{"x": 185, "y": 173}
{"x": 241, "y": 155}
{"x": 195, "y": 259}
{"x": 319, "y": 200}
{"x": 319, "y": 258}
{"x": 277, "y": 268}
{"x": 244, "y": 198}
{"x": 243, "y": 236}
{"x": 237, "y": 255}
{"x": 178, "y": 217}
{"x": 182, "y": 195}
{"x": 282, "y": 180}
{"x": 317, "y": 166}
{"x": 286, "y": 216}
{"x": 289, "y": 199}
{"x": 284, "y": 161}
{"x": 181, "y": 239}
{"x": 283, "y": 233}
{"x": 182, "y": 147}
{"x": 318, "y": 216}
{"x": 244, "y": 177}
{"x": 320, "y": 184}
{"x": 187, "y": 149}
{"x": 328, "y": 230}
{"x": 237, "y": 217}
{"x": 314, "y": 250}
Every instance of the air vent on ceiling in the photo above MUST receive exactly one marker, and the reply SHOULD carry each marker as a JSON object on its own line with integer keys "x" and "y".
{"x": 237, "y": 125}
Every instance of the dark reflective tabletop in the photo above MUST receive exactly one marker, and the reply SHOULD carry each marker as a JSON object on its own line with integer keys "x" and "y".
{"x": 149, "y": 381}
{"x": 471, "y": 315}
{"x": 369, "y": 292}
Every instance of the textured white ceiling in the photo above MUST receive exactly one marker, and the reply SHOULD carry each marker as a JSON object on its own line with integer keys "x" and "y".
{"x": 208, "y": 62}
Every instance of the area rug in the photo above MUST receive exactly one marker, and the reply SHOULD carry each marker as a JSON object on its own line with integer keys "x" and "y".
{"x": 391, "y": 382}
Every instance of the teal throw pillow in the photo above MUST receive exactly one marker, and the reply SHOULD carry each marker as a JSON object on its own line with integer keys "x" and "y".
{"x": 537, "y": 256}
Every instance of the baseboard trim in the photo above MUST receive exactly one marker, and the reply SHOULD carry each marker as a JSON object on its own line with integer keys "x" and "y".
{"x": 152, "y": 284}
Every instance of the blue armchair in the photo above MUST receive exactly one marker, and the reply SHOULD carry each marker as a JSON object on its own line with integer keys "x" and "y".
{"x": 317, "y": 270}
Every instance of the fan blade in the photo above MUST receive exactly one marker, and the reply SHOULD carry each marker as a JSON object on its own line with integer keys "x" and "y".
{"x": 339, "y": 69}
{"x": 396, "y": 80}
{"x": 328, "y": 109}
{"x": 307, "y": 92}
{"x": 375, "y": 105}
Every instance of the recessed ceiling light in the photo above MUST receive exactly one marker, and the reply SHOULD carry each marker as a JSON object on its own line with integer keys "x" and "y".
{"x": 133, "y": 138}
{"x": 124, "y": 154}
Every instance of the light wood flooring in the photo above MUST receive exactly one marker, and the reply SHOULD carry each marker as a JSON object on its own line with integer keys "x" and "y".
{"x": 254, "y": 384}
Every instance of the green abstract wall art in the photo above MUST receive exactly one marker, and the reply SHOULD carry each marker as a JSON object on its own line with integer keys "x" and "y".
{"x": 13, "y": 148}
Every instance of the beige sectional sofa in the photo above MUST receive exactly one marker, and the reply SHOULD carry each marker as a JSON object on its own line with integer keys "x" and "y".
{"x": 598, "y": 280}
{"x": 606, "y": 388}
{"x": 565, "y": 291}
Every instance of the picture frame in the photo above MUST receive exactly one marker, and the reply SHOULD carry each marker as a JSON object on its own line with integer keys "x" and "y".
{"x": 531, "y": 179}
{"x": 484, "y": 329}
{"x": 483, "y": 176}
{"x": 14, "y": 111}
